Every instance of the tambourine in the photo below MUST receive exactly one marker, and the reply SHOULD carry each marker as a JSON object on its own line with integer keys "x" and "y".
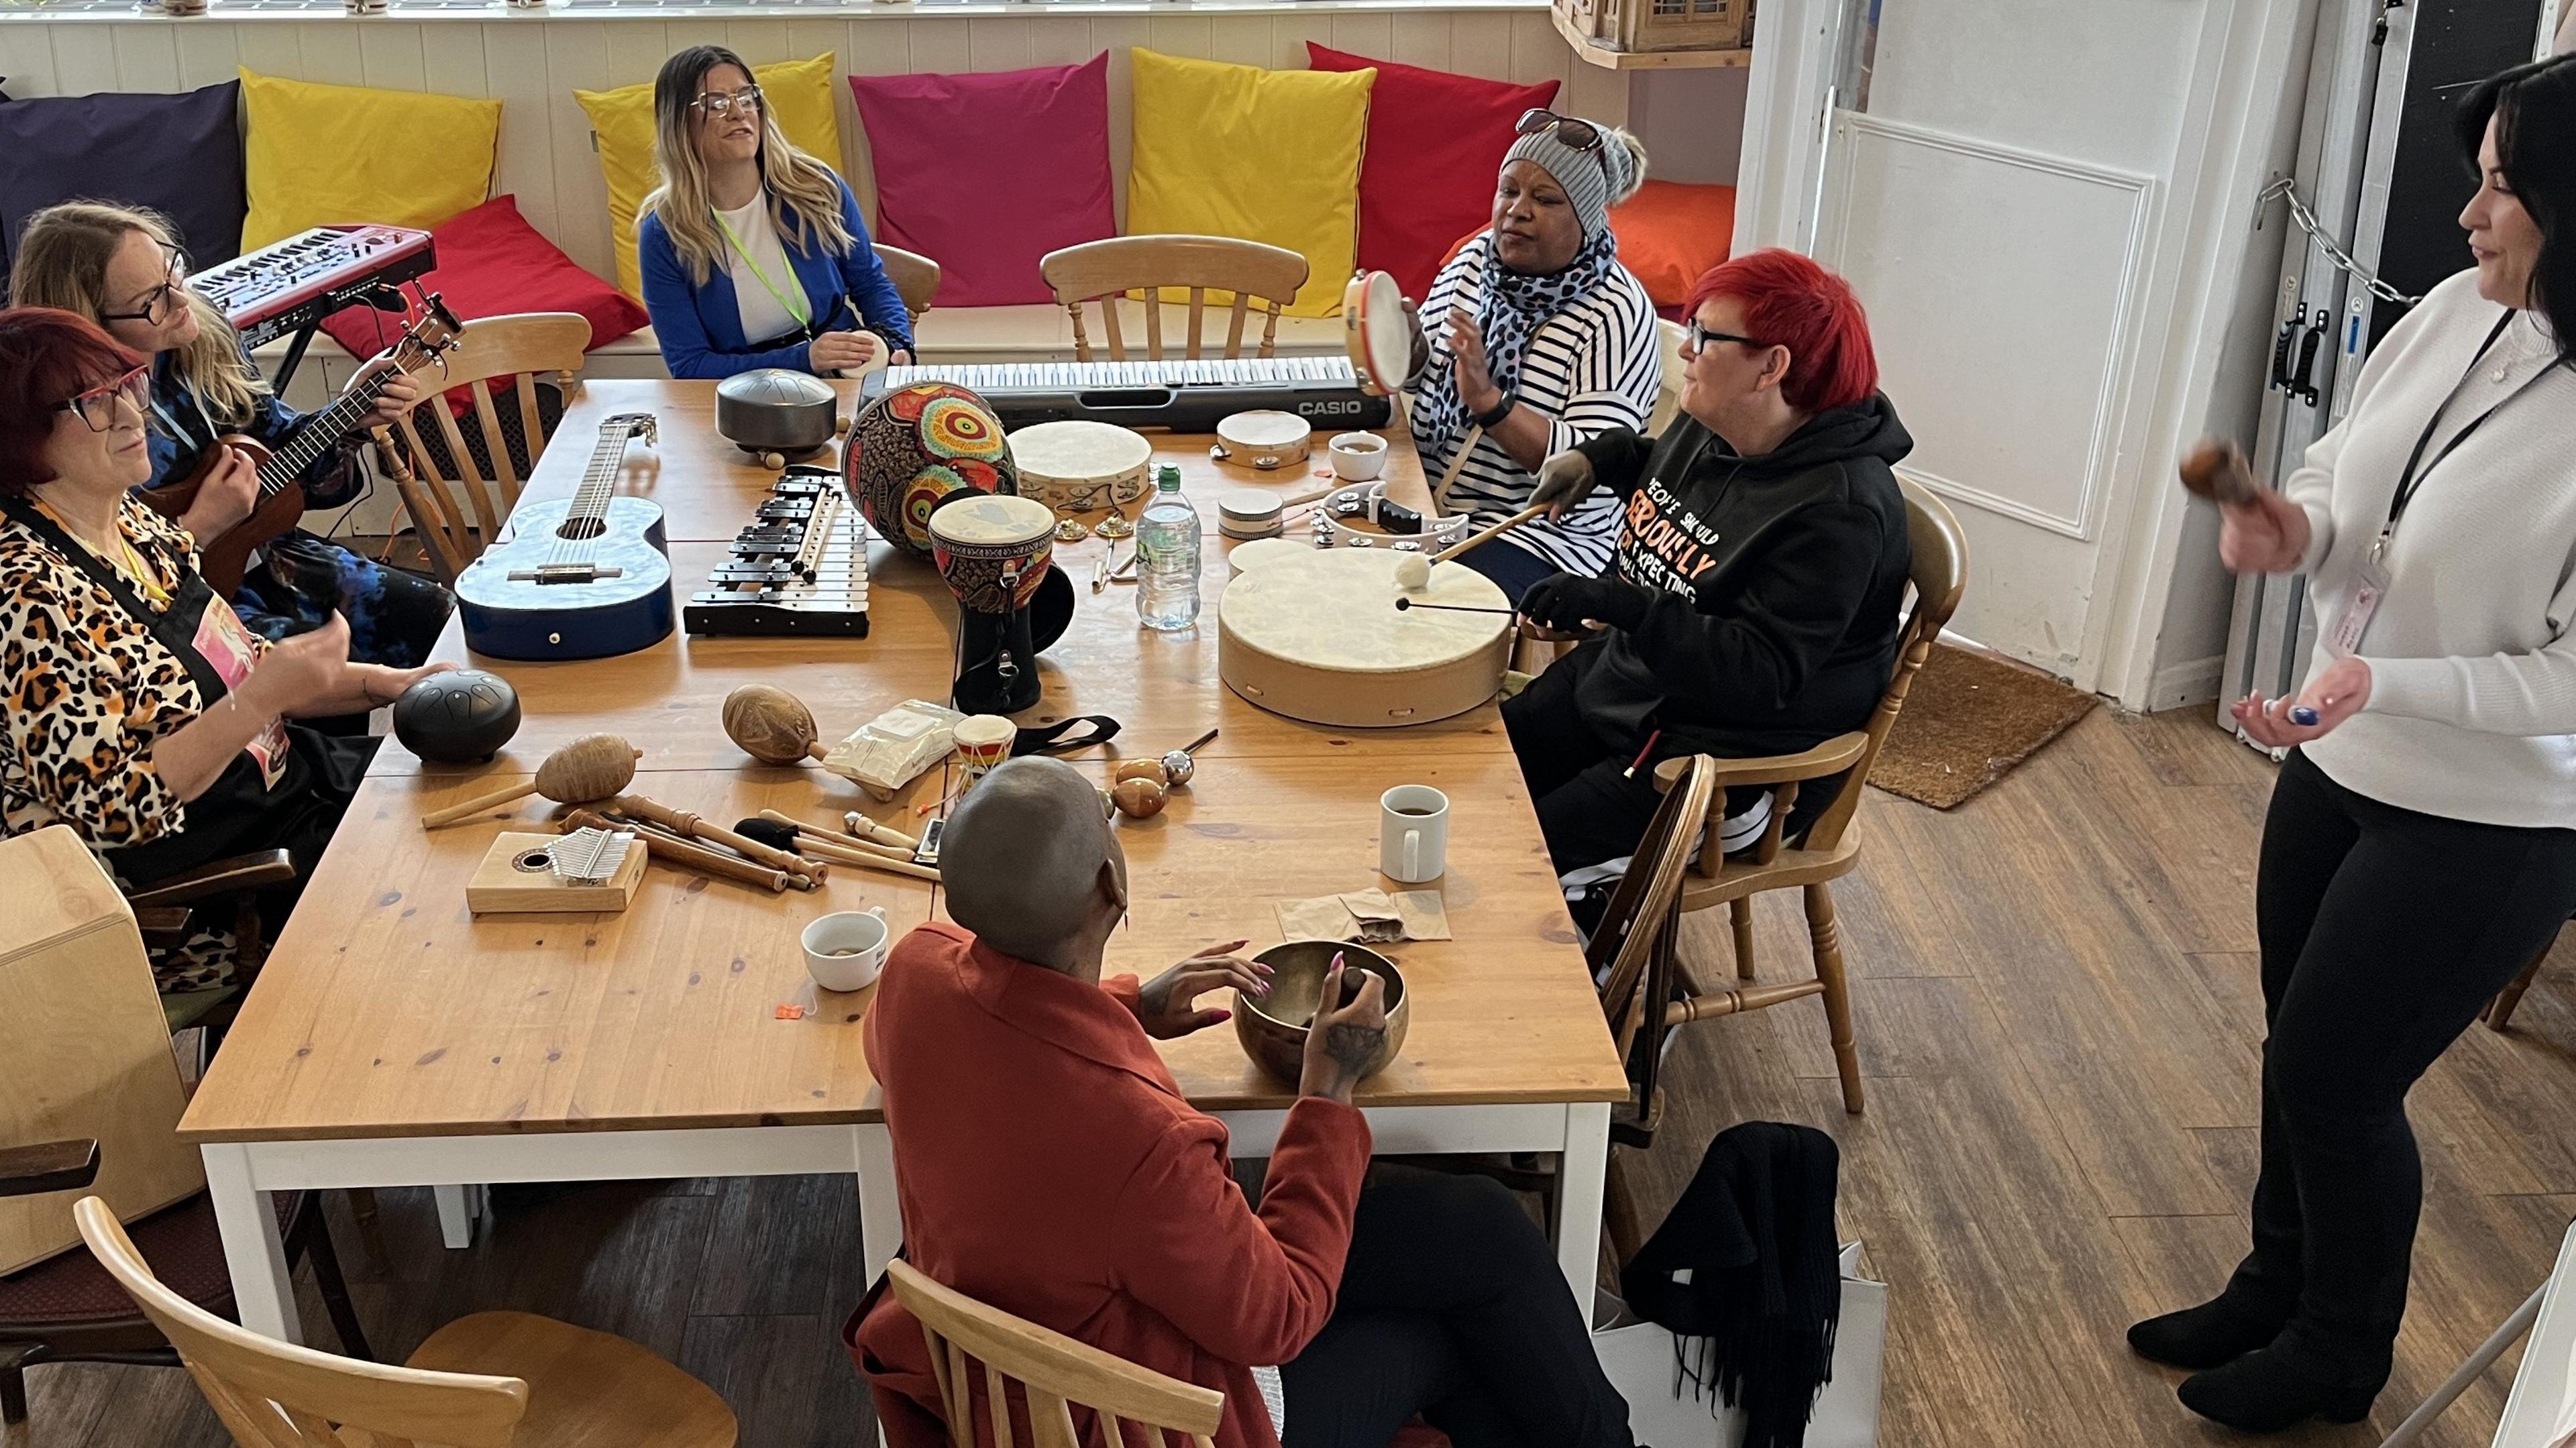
{"x": 1377, "y": 332}
{"x": 1337, "y": 513}
{"x": 1263, "y": 439}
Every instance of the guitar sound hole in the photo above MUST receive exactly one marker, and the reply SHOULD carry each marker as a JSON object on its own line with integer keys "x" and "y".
{"x": 581, "y": 528}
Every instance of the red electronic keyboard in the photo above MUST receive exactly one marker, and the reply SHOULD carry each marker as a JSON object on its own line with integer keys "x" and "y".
{"x": 290, "y": 286}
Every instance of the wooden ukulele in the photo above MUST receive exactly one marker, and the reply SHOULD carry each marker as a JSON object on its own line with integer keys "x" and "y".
{"x": 280, "y": 505}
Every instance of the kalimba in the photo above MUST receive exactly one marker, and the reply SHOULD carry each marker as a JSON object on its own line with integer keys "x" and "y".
{"x": 799, "y": 568}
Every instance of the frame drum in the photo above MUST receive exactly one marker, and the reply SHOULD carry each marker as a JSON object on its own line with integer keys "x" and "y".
{"x": 1264, "y": 439}
{"x": 1377, "y": 332}
{"x": 1316, "y": 636}
{"x": 1079, "y": 467}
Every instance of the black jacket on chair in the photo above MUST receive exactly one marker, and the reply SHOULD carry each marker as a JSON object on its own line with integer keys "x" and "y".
{"x": 1761, "y": 594}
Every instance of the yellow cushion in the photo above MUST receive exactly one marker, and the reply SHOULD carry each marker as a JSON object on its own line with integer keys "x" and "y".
{"x": 797, "y": 92}
{"x": 323, "y": 154}
{"x": 1266, "y": 155}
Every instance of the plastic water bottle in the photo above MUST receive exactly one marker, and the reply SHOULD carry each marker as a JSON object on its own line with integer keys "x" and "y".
{"x": 1167, "y": 572}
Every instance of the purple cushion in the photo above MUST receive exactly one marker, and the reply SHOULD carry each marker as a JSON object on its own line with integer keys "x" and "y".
{"x": 178, "y": 154}
{"x": 984, "y": 174}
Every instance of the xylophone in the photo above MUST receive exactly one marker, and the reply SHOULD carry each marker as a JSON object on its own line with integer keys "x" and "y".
{"x": 799, "y": 568}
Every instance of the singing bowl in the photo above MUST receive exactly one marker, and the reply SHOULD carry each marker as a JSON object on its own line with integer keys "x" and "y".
{"x": 1272, "y": 1028}
{"x": 771, "y": 409}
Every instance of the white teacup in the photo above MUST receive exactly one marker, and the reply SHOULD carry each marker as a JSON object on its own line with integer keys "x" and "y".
{"x": 1358, "y": 457}
{"x": 1413, "y": 834}
{"x": 846, "y": 950}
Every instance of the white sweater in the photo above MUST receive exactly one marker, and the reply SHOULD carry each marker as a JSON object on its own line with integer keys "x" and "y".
{"x": 2472, "y": 711}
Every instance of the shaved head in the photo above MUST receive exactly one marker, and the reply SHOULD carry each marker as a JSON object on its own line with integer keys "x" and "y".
{"x": 1023, "y": 862}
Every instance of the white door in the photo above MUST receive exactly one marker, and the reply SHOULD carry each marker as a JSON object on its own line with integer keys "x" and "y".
{"x": 1992, "y": 178}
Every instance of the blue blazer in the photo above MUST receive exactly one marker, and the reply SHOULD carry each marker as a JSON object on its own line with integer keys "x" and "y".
{"x": 700, "y": 327}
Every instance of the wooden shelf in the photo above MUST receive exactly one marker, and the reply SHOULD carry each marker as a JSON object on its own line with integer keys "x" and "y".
{"x": 1597, "y": 54}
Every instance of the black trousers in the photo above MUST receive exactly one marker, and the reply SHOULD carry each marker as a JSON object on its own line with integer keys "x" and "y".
{"x": 1452, "y": 1307}
{"x": 2383, "y": 933}
{"x": 1589, "y": 809}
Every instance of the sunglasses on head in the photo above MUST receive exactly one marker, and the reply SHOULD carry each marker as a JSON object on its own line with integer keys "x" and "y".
{"x": 97, "y": 406}
{"x": 158, "y": 303}
{"x": 720, "y": 104}
{"x": 1571, "y": 131}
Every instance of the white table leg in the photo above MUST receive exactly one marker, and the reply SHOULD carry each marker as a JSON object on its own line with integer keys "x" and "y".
{"x": 880, "y": 1210}
{"x": 1580, "y": 1182}
{"x": 254, "y": 1253}
{"x": 456, "y": 1213}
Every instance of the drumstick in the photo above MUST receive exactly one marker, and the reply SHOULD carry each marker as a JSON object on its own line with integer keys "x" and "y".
{"x": 1483, "y": 536}
{"x": 687, "y": 856}
{"x": 1458, "y": 464}
{"x": 694, "y": 827}
{"x": 859, "y": 824}
{"x": 804, "y": 842}
{"x": 1404, "y": 604}
{"x": 714, "y": 859}
{"x": 891, "y": 852}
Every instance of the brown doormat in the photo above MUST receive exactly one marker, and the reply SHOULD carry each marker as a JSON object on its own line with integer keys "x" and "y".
{"x": 1967, "y": 720}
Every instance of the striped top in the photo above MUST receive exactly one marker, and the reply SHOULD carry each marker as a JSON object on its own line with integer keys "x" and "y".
{"x": 1589, "y": 368}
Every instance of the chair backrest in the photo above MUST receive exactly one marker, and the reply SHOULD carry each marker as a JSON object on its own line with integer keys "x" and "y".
{"x": 1939, "y": 574}
{"x": 1054, "y": 1372}
{"x": 1630, "y": 949}
{"x": 915, "y": 277}
{"x": 457, "y": 497}
{"x": 1669, "y": 337}
{"x": 272, "y": 1394}
{"x": 1103, "y": 271}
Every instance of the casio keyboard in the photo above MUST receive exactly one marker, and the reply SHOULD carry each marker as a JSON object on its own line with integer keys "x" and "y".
{"x": 1181, "y": 394}
{"x": 290, "y": 286}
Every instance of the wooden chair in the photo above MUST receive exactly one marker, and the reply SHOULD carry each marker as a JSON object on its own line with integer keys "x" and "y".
{"x": 1104, "y": 271}
{"x": 915, "y": 277}
{"x": 1831, "y": 847}
{"x": 492, "y": 1380}
{"x": 458, "y": 493}
{"x": 2499, "y": 1012}
{"x": 1669, "y": 337}
{"x": 223, "y": 895}
{"x": 1055, "y": 1374}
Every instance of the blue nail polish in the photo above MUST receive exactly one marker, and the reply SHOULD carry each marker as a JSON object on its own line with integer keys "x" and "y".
{"x": 2303, "y": 716}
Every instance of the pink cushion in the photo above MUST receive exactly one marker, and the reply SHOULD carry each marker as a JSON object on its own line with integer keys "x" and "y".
{"x": 492, "y": 263}
{"x": 984, "y": 174}
{"x": 1435, "y": 142}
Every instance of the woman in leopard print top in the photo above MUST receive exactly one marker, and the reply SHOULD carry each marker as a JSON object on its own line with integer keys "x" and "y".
{"x": 140, "y": 712}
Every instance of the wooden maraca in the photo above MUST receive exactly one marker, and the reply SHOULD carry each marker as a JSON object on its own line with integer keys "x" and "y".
{"x": 591, "y": 768}
{"x": 2216, "y": 469}
{"x": 771, "y": 725}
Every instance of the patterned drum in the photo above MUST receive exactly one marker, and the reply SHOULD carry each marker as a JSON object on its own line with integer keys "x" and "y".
{"x": 993, "y": 551}
{"x": 914, "y": 447}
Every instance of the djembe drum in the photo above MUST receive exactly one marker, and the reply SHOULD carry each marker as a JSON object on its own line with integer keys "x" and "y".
{"x": 913, "y": 449}
{"x": 994, "y": 552}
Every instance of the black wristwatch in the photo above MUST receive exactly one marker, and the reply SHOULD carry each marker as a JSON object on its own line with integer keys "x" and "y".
{"x": 1489, "y": 420}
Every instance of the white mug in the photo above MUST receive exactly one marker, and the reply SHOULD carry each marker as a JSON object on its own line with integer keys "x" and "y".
{"x": 1413, "y": 834}
{"x": 846, "y": 950}
{"x": 1358, "y": 457}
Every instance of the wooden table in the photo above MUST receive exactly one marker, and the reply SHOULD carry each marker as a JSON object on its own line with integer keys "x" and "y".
{"x": 393, "y": 1039}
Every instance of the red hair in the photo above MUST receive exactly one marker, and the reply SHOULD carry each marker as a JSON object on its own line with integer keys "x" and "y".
{"x": 1791, "y": 302}
{"x": 47, "y": 358}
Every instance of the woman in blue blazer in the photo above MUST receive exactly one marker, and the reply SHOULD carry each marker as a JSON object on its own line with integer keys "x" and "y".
{"x": 753, "y": 253}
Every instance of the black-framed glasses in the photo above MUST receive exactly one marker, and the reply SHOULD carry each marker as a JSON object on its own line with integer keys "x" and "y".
{"x": 158, "y": 303}
{"x": 97, "y": 407}
{"x": 720, "y": 104}
{"x": 1573, "y": 131}
{"x": 1697, "y": 337}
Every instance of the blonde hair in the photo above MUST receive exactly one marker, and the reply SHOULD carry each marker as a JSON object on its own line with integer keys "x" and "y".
{"x": 61, "y": 261}
{"x": 804, "y": 194}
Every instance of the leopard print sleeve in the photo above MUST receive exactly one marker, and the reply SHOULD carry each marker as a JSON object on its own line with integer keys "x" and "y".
{"x": 88, "y": 692}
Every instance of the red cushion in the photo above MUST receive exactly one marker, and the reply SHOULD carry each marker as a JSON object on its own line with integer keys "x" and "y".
{"x": 180, "y": 1244}
{"x": 1671, "y": 233}
{"x": 1435, "y": 142}
{"x": 492, "y": 263}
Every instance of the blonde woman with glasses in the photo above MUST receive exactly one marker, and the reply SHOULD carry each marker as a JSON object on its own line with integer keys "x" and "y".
{"x": 753, "y": 253}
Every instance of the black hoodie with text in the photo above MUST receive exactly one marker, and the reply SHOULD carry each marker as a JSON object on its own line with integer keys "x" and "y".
{"x": 1769, "y": 585}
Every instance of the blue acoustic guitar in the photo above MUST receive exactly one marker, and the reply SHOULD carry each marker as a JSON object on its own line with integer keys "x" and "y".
{"x": 581, "y": 578}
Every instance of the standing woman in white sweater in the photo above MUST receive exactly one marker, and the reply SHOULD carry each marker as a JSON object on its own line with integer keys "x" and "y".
{"x": 2418, "y": 848}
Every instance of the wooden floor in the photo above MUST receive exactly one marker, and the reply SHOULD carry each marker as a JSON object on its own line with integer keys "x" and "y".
{"x": 2055, "y": 990}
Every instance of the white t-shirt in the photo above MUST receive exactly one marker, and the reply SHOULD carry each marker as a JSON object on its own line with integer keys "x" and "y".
{"x": 762, "y": 315}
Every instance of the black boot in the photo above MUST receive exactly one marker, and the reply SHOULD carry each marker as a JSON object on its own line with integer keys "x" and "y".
{"x": 2266, "y": 1391}
{"x": 2213, "y": 1334}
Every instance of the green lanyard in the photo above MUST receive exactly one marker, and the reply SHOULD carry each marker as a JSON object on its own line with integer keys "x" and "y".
{"x": 791, "y": 302}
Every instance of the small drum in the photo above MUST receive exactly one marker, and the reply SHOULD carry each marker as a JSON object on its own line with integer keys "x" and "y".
{"x": 1263, "y": 439}
{"x": 1079, "y": 467}
{"x": 1377, "y": 332}
{"x": 914, "y": 447}
{"x": 993, "y": 551}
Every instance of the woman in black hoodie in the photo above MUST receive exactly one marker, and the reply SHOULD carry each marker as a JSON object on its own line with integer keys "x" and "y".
{"x": 1752, "y": 609}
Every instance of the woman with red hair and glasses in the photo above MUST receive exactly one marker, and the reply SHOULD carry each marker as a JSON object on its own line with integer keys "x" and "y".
{"x": 140, "y": 711}
{"x": 1760, "y": 563}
